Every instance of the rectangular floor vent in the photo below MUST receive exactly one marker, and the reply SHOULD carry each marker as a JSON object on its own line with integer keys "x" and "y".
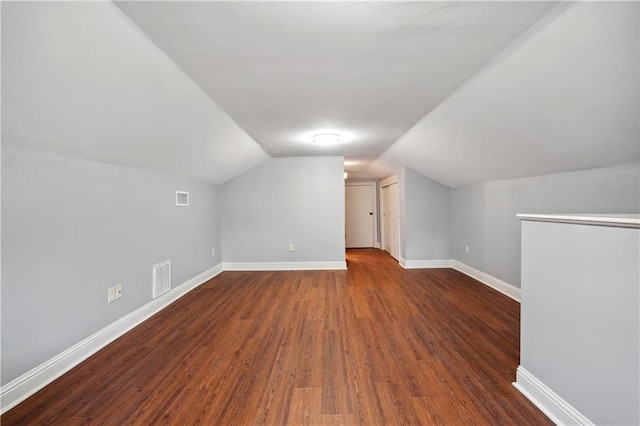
{"x": 161, "y": 278}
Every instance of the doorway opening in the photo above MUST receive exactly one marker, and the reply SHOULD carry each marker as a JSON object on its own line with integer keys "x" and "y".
{"x": 390, "y": 217}
{"x": 361, "y": 217}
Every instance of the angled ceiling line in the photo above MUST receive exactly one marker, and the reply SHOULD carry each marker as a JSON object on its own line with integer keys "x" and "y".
{"x": 526, "y": 36}
{"x": 142, "y": 33}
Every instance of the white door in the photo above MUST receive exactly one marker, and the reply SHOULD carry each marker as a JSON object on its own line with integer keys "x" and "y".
{"x": 360, "y": 205}
{"x": 390, "y": 222}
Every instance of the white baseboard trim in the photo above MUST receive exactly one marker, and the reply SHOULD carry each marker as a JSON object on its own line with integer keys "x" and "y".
{"x": 285, "y": 266}
{"x": 556, "y": 408}
{"x": 29, "y": 383}
{"x": 32, "y": 381}
{"x": 425, "y": 264}
{"x": 493, "y": 282}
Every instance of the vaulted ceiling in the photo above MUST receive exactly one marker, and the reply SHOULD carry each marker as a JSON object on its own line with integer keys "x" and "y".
{"x": 459, "y": 91}
{"x": 367, "y": 69}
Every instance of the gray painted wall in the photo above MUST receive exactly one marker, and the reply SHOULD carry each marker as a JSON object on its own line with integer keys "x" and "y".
{"x": 484, "y": 214}
{"x": 427, "y": 218}
{"x": 580, "y": 316}
{"x": 282, "y": 201}
{"x": 71, "y": 229}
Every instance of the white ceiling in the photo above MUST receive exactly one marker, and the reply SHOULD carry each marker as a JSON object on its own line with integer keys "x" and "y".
{"x": 367, "y": 70}
{"x": 564, "y": 98}
{"x": 459, "y": 91}
{"x": 78, "y": 78}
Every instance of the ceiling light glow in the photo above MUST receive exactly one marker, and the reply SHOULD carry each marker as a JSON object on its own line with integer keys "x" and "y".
{"x": 326, "y": 139}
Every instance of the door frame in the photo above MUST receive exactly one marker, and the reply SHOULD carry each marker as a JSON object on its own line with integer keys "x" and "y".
{"x": 383, "y": 232}
{"x": 374, "y": 191}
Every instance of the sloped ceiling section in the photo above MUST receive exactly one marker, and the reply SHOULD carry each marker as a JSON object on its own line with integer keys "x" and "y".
{"x": 563, "y": 98}
{"x": 366, "y": 70}
{"x": 497, "y": 89}
{"x": 79, "y": 78}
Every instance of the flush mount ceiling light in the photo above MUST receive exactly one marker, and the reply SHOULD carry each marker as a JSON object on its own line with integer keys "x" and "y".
{"x": 326, "y": 139}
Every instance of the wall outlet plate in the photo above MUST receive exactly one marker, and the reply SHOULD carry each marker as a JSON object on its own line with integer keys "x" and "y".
{"x": 111, "y": 295}
{"x": 118, "y": 291}
{"x": 290, "y": 246}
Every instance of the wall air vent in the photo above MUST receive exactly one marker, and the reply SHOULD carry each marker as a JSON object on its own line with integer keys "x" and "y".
{"x": 182, "y": 199}
{"x": 161, "y": 278}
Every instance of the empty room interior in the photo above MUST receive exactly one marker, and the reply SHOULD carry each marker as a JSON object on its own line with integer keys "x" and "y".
{"x": 377, "y": 213}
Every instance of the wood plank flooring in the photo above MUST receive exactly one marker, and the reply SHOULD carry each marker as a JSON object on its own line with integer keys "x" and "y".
{"x": 374, "y": 345}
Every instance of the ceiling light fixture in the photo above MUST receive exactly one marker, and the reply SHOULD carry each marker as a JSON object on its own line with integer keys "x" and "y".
{"x": 326, "y": 139}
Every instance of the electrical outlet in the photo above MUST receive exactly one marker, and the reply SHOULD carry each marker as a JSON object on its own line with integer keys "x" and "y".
{"x": 118, "y": 291}
{"x": 466, "y": 249}
{"x": 290, "y": 246}
{"x": 213, "y": 252}
{"x": 111, "y": 294}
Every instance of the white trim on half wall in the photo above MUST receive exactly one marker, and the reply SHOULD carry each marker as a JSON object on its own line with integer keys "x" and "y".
{"x": 549, "y": 402}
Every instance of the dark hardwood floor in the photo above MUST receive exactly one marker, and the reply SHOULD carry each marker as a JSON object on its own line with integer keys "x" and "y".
{"x": 374, "y": 345}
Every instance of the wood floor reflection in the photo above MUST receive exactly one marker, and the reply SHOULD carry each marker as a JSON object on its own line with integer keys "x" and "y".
{"x": 374, "y": 345}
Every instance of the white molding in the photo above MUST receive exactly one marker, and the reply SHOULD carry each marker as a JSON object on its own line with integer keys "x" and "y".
{"x": 389, "y": 180}
{"x": 486, "y": 279}
{"x": 550, "y": 403}
{"x": 425, "y": 264}
{"x": 285, "y": 266}
{"x": 32, "y": 381}
{"x": 360, "y": 183}
{"x": 385, "y": 183}
{"x": 493, "y": 282}
{"x": 374, "y": 191}
{"x": 29, "y": 383}
{"x": 614, "y": 220}
{"x": 383, "y": 232}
